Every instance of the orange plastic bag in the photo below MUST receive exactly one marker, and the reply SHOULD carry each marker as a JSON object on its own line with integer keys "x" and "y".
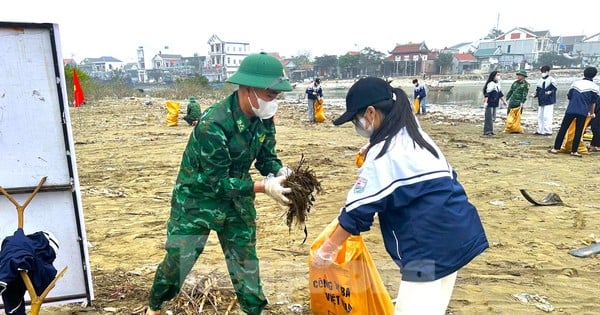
{"x": 319, "y": 110}
{"x": 570, "y": 135}
{"x": 172, "y": 113}
{"x": 351, "y": 285}
{"x": 513, "y": 121}
{"x": 416, "y": 106}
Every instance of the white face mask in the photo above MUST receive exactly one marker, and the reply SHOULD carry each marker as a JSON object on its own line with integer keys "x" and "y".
{"x": 265, "y": 109}
{"x": 361, "y": 130}
{"x": 544, "y": 75}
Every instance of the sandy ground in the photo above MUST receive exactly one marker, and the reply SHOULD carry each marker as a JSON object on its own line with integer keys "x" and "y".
{"x": 128, "y": 160}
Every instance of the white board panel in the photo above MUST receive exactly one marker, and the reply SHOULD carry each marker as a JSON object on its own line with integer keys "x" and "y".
{"x": 36, "y": 141}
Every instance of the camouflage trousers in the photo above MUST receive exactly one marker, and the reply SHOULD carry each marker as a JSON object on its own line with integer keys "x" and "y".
{"x": 186, "y": 238}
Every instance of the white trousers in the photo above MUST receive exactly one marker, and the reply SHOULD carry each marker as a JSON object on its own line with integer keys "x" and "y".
{"x": 545, "y": 114}
{"x": 431, "y": 298}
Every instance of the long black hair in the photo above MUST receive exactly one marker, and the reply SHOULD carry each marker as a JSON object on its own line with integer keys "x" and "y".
{"x": 491, "y": 78}
{"x": 398, "y": 114}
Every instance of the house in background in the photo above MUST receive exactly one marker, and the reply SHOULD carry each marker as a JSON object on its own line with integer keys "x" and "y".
{"x": 463, "y": 63}
{"x": 166, "y": 61}
{"x": 462, "y": 48}
{"x": 411, "y": 59}
{"x": 520, "y": 47}
{"x": 224, "y": 58}
{"x": 488, "y": 58}
{"x": 102, "y": 67}
{"x": 589, "y": 49}
{"x": 566, "y": 44}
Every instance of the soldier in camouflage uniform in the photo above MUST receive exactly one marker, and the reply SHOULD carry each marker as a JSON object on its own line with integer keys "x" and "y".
{"x": 193, "y": 112}
{"x": 214, "y": 189}
{"x": 517, "y": 95}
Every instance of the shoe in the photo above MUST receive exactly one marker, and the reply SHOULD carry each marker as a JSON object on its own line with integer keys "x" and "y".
{"x": 576, "y": 154}
{"x": 593, "y": 149}
{"x": 538, "y": 134}
{"x": 552, "y": 151}
{"x": 546, "y": 134}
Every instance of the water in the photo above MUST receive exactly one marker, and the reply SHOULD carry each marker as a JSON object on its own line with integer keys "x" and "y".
{"x": 468, "y": 95}
{"x": 465, "y": 100}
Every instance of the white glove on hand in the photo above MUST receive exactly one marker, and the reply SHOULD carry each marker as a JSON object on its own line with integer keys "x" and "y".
{"x": 274, "y": 189}
{"x": 285, "y": 171}
{"x": 325, "y": 254}
{"x": 548, "y": 92}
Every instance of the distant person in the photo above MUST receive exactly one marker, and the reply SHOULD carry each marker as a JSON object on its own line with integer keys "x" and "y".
{"x": 583, "y": 97}
{"x": 519, "y": 90}
{"x": 313, "y": 92}
{"x": 492, "y": 95}
{"x": 215, "y": 190}
{"x": 545, "y": 92}
{"x": 430, "y": 228}
{"x": 420, "y": 93}
{"x": 193, "y": 112}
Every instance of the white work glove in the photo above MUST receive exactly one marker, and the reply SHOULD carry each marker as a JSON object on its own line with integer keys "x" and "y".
{"x": 285, "y": 171}
{"x": 485, "y": 105}
{"x": 274, "y": 189}
{"x": 548, "y": 92}
{"x": 325, "y": 254}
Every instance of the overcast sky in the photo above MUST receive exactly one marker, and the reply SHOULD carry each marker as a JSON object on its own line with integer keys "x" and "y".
{"x": 117, "y": 28}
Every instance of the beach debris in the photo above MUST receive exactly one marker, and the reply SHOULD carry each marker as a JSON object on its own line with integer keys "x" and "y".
{"x": 209, "y": 294}
{"x": 497, "y": 203}
{"x": 551, "y": 199}
{"x": 586, "y": 251}
{"x": 541, "y": 302}
{"x": 304, "y": 184}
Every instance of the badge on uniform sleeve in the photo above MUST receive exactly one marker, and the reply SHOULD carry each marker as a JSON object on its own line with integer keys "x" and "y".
{"x": 360, "y": 185}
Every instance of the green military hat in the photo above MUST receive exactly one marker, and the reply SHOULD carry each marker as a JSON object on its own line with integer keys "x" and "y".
{"x": 261, "y": 71}
{"x": 522, "y": 72}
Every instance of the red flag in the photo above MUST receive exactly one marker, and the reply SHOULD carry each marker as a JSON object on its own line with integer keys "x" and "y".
{"x": 77, "y": 91}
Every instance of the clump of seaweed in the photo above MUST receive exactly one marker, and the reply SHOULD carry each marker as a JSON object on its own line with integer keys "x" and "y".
{"x": 304, "y": 185}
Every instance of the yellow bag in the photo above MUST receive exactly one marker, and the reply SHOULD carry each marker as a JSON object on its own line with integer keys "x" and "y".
{"x": 570, "y": 135}
{"x": 513, "y": 121}
{"x": 172, "y": 113}
{"x": 416, "y": 106}
{"x": 319, "y": 110}
{"x": 351, "y": 284}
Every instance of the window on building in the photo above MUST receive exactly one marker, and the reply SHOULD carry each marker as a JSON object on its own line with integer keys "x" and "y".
{"x": 508, "y": 49}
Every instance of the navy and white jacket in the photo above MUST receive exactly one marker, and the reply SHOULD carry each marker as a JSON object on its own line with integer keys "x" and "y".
{"x": 314, "y": 88}
{"x": 429, "y": 227}
{"x": 493, "y": 92}
{"x": 419, "y": 92}
{"x": 582, "y": 94}
{"x": 32, "y": 253}
{"x": 545, "y": 91}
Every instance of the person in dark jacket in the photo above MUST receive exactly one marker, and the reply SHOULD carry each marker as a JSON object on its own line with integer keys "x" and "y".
{"x": 313, "y": 93}
{"x": 429, "y": 227}
{"x": 545, "y": 92}
{"x": 583, "y": 97}
{"x": 420, "y": 93}
{"x": 492, "y": 95}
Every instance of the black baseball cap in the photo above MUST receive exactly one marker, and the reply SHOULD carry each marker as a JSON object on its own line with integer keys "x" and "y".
{"x": 366, "y": 91}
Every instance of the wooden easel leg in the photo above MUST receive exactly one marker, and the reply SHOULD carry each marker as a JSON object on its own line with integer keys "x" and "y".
{"x": 36, "y": 301}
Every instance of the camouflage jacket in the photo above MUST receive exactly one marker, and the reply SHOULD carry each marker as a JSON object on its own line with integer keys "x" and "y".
{"x": 193, "y": 112}
{"x": 518, "y": 93}
{"x": 214, "y": 178}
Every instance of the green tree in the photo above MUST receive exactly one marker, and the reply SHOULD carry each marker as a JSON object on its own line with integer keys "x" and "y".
{"x": 444, "y": 62}
{"x": 326, "y": 65}
{"x": 349, "y": 65}
{"x": 494, "y": 33}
